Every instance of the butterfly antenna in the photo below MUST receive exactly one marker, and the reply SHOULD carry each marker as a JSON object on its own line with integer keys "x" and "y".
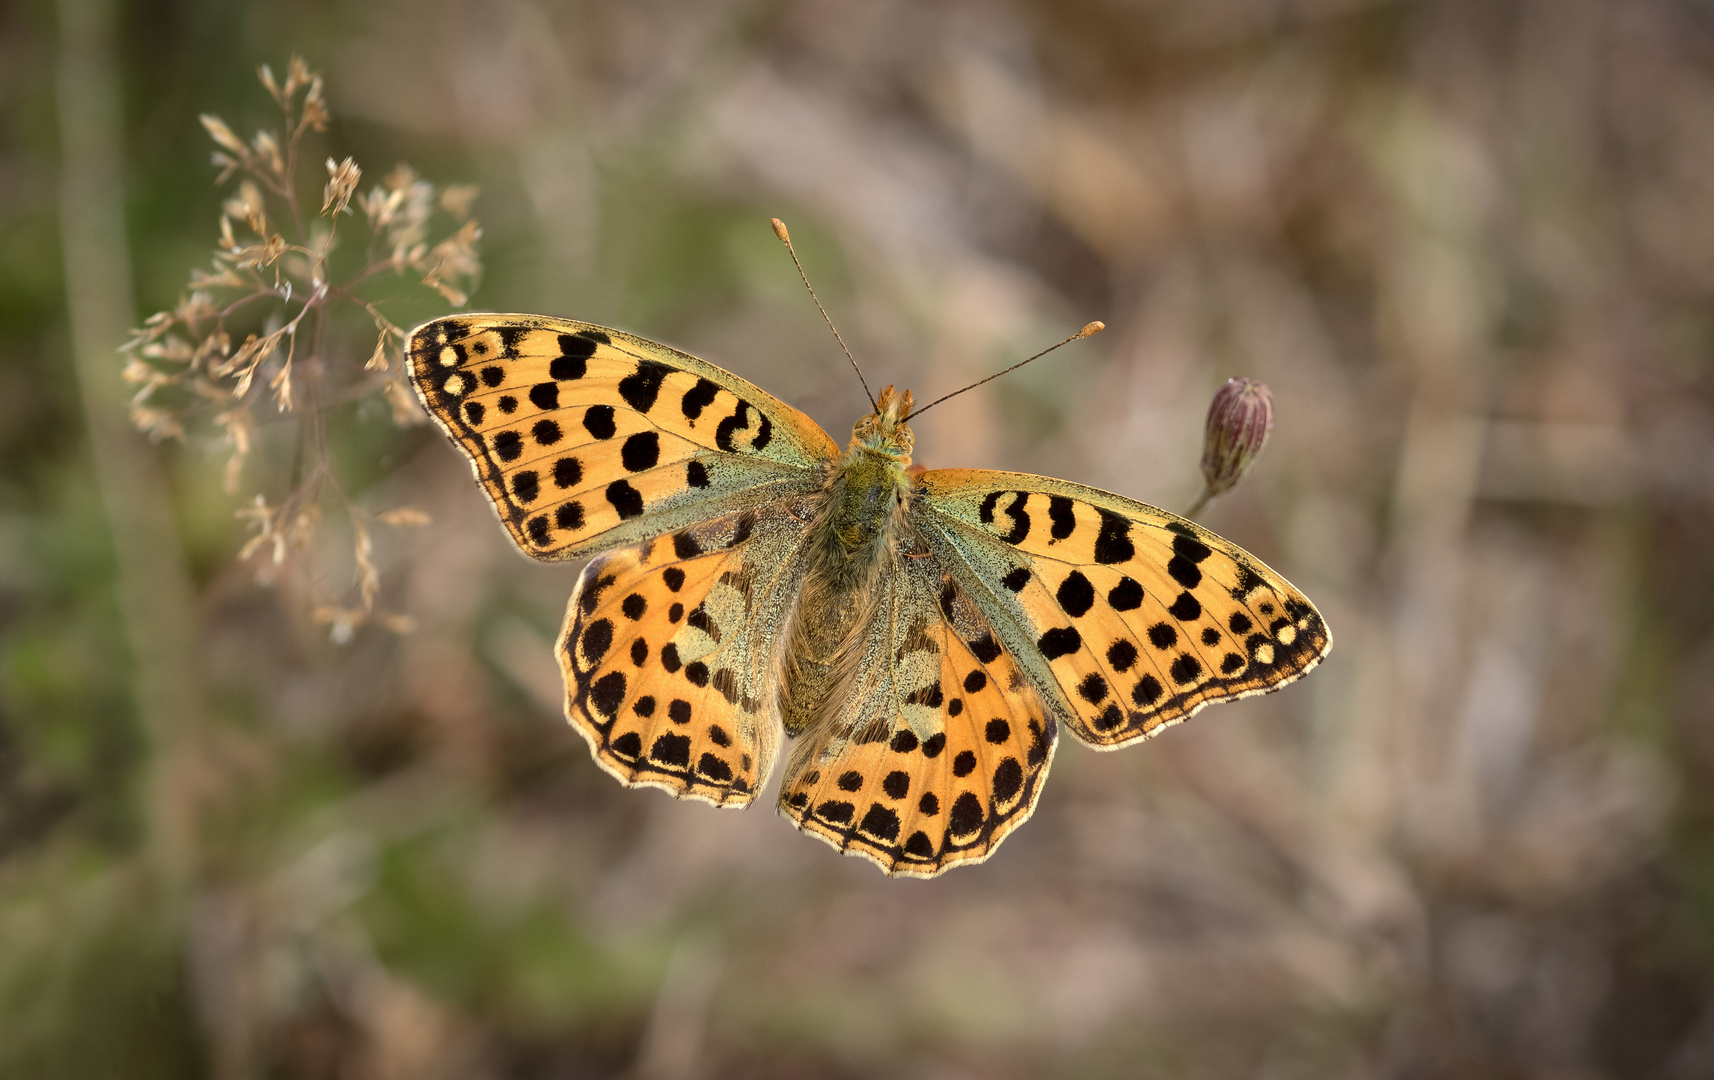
{"x": 1089, "y": 330}
{"x": 786, "y": 239}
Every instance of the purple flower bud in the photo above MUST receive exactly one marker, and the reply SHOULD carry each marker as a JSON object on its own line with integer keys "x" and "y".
{"x": 1239, "y": 420}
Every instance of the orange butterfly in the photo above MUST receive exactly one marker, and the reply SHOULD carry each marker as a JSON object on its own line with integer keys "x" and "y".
{"x": 920, "y": 637}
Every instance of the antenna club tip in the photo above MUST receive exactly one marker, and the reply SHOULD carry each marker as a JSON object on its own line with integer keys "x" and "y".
{"x": 1090, "y": 330}
{"x": 780, "y": 231}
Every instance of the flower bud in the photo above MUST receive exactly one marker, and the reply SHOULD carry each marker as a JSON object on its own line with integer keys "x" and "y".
{"x": 1239, "y": 420}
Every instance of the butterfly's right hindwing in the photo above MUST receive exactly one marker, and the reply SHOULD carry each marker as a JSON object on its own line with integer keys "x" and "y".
{"x": 587, "y": 438}
{"x": 670, "y": 655}
{"x": 938, "y": 749}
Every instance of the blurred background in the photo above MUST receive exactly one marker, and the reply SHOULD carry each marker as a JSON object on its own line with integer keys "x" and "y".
{"x": 1468, "y": 243}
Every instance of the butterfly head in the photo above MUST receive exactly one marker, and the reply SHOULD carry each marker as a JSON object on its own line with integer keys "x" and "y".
{"x": 884, "y": 431}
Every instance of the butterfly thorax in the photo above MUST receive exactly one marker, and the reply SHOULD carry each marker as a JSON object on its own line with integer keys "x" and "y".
{"x": 869, "y": 483}
{"x": 857, "y": 532}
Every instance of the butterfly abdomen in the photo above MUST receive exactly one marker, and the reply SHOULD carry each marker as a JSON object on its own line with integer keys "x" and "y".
{"x": 850, "y": 541}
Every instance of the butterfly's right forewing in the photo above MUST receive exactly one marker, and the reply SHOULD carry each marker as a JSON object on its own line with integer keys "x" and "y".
{"x": 587, "y": 438}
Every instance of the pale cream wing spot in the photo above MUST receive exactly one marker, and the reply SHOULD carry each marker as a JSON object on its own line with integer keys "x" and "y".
{"x": 1126, "y": 617}
{"x": 587, "y": 438}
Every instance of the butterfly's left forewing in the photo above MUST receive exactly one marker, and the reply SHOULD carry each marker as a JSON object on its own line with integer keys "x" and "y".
{"x": 1128, "y": 617}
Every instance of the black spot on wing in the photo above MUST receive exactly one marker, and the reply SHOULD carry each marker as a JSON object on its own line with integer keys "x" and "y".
{"x": 741, "y": 532}
{"x": 880, "y": 822}
{"x": 738, "y": 421}
{"x": 641, "y": 451}
{"x": 1076, "y": 596}
{"x": 1060, "y": 511}
{"x": 608, "y": 693}
{"x": 509, "y": 445}
{"x": 966, "y": 815}
{"x": 581, "y": 345}
{"x": 698, "y": 398}
{"x": 641, "y": 388}
{"x": 591, "y": 597}
{"x": 948, "y": 594}
{"x": 671, "y": 750}
{"x": 598, "y": 421}
{"x": 1191, "y": 548}
{"x": 568, "y": 368}
{"x": 627, "y": 500}
{"x": 1113, "y": 543}
{"x": 1184, "y": 571}
{"x": 567, "y": 472}
{"x": 1186, "y": 669}
{"x": 1248, "y": 582}
{"x": 526, "y": 486}
{"x": 1186, "y": 608}
{"x": 1060, "y": 641}
{"x": 509, "y": 338}
{"x": 1121, "y": 655}
{"x": 1125, "y": 596}
{"x": 836, "y": 811}
{"x": 1020, "y": 519}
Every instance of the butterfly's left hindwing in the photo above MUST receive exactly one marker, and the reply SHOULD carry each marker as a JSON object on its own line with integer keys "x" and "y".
{"x": 1129, "y": 618}
{"x": 587, "y": 438}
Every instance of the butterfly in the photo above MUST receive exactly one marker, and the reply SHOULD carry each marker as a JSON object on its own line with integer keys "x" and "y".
{"x": 919, "y": 637}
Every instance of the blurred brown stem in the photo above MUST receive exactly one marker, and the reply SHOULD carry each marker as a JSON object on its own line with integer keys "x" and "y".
{"x": 155, "y": 597}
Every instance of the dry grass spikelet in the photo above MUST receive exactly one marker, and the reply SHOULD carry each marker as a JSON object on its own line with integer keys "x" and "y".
{"x": 270, "y": 288}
